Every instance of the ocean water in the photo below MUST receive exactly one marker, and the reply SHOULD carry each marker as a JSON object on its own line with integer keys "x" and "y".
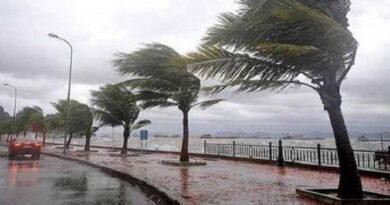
{"x": 196, "y": 144}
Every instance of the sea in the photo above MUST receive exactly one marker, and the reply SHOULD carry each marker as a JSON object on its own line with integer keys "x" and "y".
{"x": 196, "y": 144}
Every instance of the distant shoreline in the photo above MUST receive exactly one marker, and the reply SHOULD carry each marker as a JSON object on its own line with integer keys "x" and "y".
{"x": 308, "y": 138}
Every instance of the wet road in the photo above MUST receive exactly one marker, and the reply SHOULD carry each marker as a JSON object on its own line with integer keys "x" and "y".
{"x": 54, "y": 181}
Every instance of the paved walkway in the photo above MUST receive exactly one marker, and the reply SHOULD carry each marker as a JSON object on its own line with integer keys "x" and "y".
{"x": 222, "y": 181}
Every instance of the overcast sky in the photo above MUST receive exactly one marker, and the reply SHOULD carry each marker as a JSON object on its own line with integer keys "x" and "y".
{"x": 38, "y": 65}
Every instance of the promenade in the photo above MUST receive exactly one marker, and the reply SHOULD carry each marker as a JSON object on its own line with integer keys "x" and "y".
{"x": 221, "y": 181}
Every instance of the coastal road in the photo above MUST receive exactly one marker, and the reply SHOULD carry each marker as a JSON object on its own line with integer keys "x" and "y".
{"x": 59, "y": 182}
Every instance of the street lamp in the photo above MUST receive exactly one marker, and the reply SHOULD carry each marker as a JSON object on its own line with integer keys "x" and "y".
{"x": 16, "y": 95}
{"x": 69, "y": 85}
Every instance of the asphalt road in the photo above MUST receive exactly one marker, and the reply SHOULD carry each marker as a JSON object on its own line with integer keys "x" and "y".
{"x": 52, "y": 181}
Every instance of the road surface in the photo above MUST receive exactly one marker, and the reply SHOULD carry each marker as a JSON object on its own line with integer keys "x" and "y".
{"x": 54, "y": 181}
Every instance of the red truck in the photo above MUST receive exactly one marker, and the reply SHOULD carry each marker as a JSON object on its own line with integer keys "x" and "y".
{"x": 24, "y": 146}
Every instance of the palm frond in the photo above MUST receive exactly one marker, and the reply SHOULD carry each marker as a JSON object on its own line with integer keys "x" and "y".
{"x": 115, "y": 105}
{"x": 283, "y": 21}
{"x": 215, "y": 89}
{"x": 216, "y": 62}
{"x": 207, "y": 103}
{"x": 106, "y": 118}
{"x": 161, "y": 76}
{"x": 140, "y": 124}
{"x": 152, "y": 60}
{"x": 157, "y": 84}
{"x": 260, "y": 85}
{"x": 255, "y": 86}
{"x": 267, "y": 44}
{"x": 146, "y": 95}
{"x": 157, "y": 103}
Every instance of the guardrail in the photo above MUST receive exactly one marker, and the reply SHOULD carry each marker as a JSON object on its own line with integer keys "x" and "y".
{"x": 320, "y": 156}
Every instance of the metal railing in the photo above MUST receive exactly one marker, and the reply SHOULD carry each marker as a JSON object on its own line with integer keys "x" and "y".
{"x": 365, "y": 159}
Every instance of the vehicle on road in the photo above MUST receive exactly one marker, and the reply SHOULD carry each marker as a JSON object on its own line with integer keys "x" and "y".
{"x": 24, "y": 146}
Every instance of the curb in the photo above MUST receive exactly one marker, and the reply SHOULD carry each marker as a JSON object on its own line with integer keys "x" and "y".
{"x": 154, "y": 194}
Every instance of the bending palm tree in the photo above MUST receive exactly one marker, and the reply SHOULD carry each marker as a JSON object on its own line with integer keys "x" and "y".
{"x": 80, "y": 117}
{"x": 163, "y": 81}
{"x": 51, "y": 122}
{"x": 85, "y": 124}
{"x": 29, "y": 118}
{"x": 37, "y": 122}
{"x": 271, "y": 44}
{"x": 117, "y": 106}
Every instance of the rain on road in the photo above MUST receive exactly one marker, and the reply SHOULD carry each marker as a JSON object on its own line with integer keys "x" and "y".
{"x": 59, "y": 182}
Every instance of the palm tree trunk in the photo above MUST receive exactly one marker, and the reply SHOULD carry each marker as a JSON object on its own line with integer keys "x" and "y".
{"x": 184, "y": 157}
{"x": 44, "y": 139}
{"x": 87, "y": 142}
{"x": 350, "y": 185}
{"x": 69, "y": 140}
{"x": 126, "y": 135}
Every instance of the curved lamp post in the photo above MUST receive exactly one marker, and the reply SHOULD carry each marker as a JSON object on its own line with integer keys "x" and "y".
{"x": 16, "y": 95}
{"x": 69, "y": 85}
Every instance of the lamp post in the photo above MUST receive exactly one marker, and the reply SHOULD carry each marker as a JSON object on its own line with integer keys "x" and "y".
{"x": 69, "y": 85}
{"x": 16, "y": 95}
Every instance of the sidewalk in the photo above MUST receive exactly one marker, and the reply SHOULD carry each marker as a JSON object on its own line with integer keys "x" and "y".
{"x": 221, "y": 181}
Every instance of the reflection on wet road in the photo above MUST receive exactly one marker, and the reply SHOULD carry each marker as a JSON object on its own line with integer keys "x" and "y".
{"x": 58, "y": 182}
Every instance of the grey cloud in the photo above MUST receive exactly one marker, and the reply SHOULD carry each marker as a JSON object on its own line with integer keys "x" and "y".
{"x": 38, "y": 65}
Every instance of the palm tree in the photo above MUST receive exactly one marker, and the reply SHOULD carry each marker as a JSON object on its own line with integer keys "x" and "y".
{"x": 53, "y": 122}
{"x": 5, "y": 123}
{"x": 29, "y": 118}
{"x": 118, "y": 106}
{"x": 37, "y": 123}
{"x": 5, "y": 127}
{"x": 86, "y": 114}
{"x": 163, "y": 81}
{"x": 49, "y": 124}
{"x": 272, "y": 44}
{"x": 80, "y": 118}
{"x": 88, "y": 134}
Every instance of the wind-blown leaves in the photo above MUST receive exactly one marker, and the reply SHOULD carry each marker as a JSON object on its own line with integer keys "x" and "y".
{"x": 207, "y": 103}
{"x": 28, "y": 118}
{"x": 157, "y": 103}
{"x": 106, "y": 118}
{"x": 155, "y": 84}
{"x": 116, "y": 105}
{"x": 80, "y": 116}
{"x": 118, "y": 102}
{"x": 162, "y": 80}
{"x": 216, "y": 62}
{"x": 278, "y": 40}
{"x": 165, "y": 80}
{"x": 140, "y": 124}
{"x": 146, "y": 62}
